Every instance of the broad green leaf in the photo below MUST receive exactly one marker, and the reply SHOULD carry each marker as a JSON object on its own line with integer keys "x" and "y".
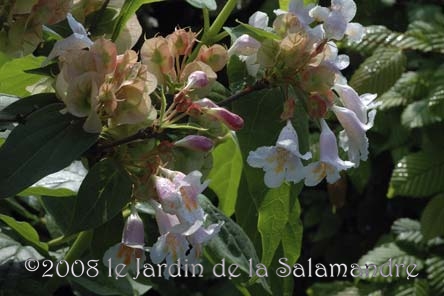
{"x": 420, "y": 35}
{"x": 13, "y": 79}
{"x": 417, "y": 287}
{"x": 382, "y": 257}
{"x": 292, "y": 234}
{"x": 210, "y": 4}
{"x": 273, "y": 217}
{"x": 129, "y": 8}
{"x": 62, "y": 183}
{"x": 26, "y": 232}
{"x": 379, "y": 72}
{"x": 61, "y": 210}
{"x": 15, "y": 279}
{"x": 105, "y": 191}
{"x": 417, "y": 175}
{"x": 418, "y": 114}
{"x": 231, "y": 244}
{"x": 436, "y": 101}
{"x": 47, "y": 143}
{"x": 22, "y": 108}
{"x": 226, "y": 174}
{"x": 435, "y": 274}
{"x": 263, "y": 109}
{"x": 432, "y": 219}
{"x": 410, "y": 87}
{"x": 408, "y": 234}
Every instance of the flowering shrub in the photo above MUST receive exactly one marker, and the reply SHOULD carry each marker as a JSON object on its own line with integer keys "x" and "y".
{"x": 144, "y": 151}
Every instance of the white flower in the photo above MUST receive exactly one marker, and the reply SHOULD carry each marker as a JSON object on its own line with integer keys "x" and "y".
{"x": 329, "y": 164}
{"x": 78, "y": 40}
{"x": 353, "y": 139}
{"x": 358, "y": 104}
{"x": 280, "y": 162}
{"x": 336, "y": 20}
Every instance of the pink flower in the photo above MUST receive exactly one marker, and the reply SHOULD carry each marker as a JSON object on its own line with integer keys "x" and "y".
{"x": 230, "y": 119}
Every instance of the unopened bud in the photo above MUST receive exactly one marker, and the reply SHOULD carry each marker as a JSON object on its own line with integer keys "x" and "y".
{"x": 197, "y": 79}
{"x": 230, "y": 119}
{"x": 133, "y": 233}
{"x": 196, "y": 143}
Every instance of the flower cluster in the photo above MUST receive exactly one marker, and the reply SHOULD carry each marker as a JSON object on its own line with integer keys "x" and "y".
{"x": 180, "y": 218}
{"x": 169, "y": 59}
{"x": 97, "y": 83}
{"x": 307, "y": 59}
{"x": 21, "y": 29}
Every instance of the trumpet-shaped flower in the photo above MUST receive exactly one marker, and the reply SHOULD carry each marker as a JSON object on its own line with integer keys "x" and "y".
{"x": 353, "y": 139}
{"x": 329, "y": 164}
{"x": 358, "y": 104}
{"x": 281, "y": 162}
{"x": 131, "y": 249}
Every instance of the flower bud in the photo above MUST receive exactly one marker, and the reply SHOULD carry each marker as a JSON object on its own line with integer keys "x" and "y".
{"x": 197, "y": 79}
{"x": 133, "y": 233}
{"x": 244, "y": 45}
{"x": 196, "y": 143}
{"x": 231, "y": 120}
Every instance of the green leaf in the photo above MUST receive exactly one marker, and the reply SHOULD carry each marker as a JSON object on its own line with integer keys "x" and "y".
{"x": 418, "y": 114}
{"x": 273, "y": 217}
{"x": 379, "y": 72}
{"x": 26, "y": 232}
{"x": 436, "y": 101}
{"x": 62, "y": 183}
{"x": 419, "y": 287}
{"x": 15, "y": 279}
{"x": 432, "y": 219}
{"x": 435, "y": 274}
{"x": 382, "y": 257}
{"x": 226, "y": 174}
{"x": 292, "y": 234}
{"x": 13, "y": 79}
{"x": 257, "y": 33}
{"x": 210, "y": 4}
{"x": 231, "y": 244}
{"x": 31, "y": 103}
{"x": 47, "y": 143}
{"x": 129, "y": 8}
{"x": 61, "y": 210}
{"x": 263, "y": 109}
{"x": 409, "y": 87}
{"x": 105, "y": 191}
{"x": 417, "y": 175}
{"x": 408, "y": 235}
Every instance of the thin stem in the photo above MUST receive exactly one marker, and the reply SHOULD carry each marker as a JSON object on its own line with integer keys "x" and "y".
{"x": 206, "y": 18}
{"x": 259, "y": 85}
{"x": 220, "y": 20}
{"x": 60, "y": 241}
